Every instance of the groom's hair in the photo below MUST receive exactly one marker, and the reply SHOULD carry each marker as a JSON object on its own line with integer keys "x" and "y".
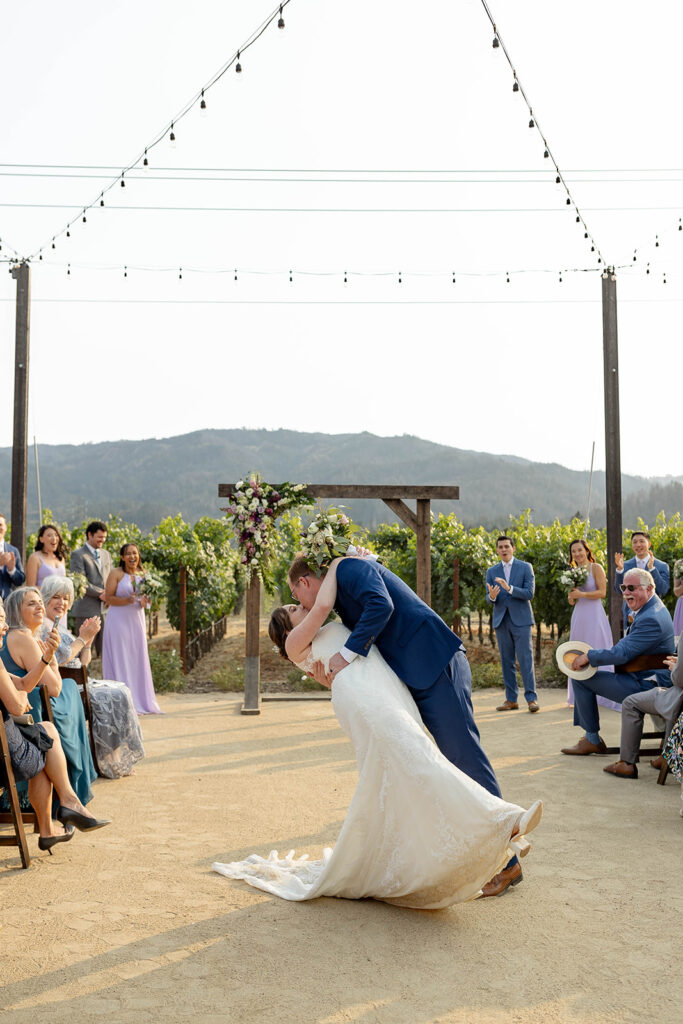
{"x": 299, "y": 568}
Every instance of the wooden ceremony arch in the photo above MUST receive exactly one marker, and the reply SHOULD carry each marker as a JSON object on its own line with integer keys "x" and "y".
{"x": 392, "y": 495}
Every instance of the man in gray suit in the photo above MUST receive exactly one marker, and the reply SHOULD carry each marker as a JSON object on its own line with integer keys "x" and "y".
{"x": 665, "y": 701}
{"x": 95, "y": 564}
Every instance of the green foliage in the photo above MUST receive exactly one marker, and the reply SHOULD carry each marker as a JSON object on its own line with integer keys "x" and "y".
{"x": 229, "y": 678}
{"x": 167, "y": 671}
{"x": 486, "y": 675}
{"x": 301, "y": 683}
{"x": 288, "y": 543}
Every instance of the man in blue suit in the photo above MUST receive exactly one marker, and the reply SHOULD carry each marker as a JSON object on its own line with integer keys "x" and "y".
{"x": 510, "y": 587}
{"x": 650, "y": 636}
{"x": 643, "y": 559}
{"x": 11, "y": 570}
{"x": 424, "y": 653}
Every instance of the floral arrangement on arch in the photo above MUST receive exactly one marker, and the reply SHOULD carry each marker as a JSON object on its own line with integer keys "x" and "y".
{"x": 254, "y": 506}
{"x": 328, "y": 536}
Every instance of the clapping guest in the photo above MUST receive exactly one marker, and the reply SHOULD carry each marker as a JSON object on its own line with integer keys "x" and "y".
{"x": 589, "y": 621}
{"x": 643, "y": 559}
{"x": 11, "y": 570}
{"x": 124, "y": 646}
{"x": 21, "y": 653}
{"x": 115, "y": 727}
{"x": 678, "y": 591}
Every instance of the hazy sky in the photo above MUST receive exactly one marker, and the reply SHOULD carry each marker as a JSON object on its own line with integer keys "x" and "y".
{"x": 404, "y": 110}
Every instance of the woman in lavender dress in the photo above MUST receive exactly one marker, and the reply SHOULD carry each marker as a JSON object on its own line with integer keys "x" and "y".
{"x": 678, "y": 591}
{"x": 589, "y": 622}
{"x": 124, "y": 642}
{"x": 48, "y": 558}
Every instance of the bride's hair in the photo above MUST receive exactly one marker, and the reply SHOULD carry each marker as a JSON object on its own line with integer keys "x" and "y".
{"x": 279, "y": 626}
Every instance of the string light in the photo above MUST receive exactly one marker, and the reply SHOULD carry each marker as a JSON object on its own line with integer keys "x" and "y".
{"x": 102, "y": 199}
{"x": 180, "y": 274}
{"x": 202, "y": 107}
{"x": 495, "y": 43}
{"x": 515, "y": 86}
{"x": 238, "y": 66}
{"x": 84, "y": 220}
{"x": 532, "y": 123}
{"x": 280, "y": 20}
{"x": 123, "y": 183}
{"x": 125, "y": 271}
{"x": 546, "y": 154}
{"x": 656, "y": 241}
{"x": 145, "y": 161}
{"x": 68, "y": 270}
{"x": 171, "y": 137}
{"x": 400, "y": 277}
{"x": 290, "y": 277}
{"x": 345, "y": 278}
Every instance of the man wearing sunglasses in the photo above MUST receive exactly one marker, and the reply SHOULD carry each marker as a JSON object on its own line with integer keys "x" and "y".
{"x": 649, "y": 636}
{"x": 643, "y": 559}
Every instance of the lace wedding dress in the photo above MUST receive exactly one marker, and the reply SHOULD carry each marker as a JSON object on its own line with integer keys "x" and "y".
{"x": 419, "y": 833}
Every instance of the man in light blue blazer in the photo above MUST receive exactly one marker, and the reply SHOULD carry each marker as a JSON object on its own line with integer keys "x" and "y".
{"x": 650, "y": 635}
{"x": 510, "y": 587}
{"x": 643, "y": 559}
{"x": 11, "y": 570}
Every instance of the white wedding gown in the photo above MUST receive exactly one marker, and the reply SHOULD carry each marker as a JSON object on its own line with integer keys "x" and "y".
{"x": 419, "y": 832}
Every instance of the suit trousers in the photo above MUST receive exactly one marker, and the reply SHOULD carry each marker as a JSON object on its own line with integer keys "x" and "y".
{"x": 515, "y": 642}
{"x": 615, "y": 686}
{"x": 657, "y": 701}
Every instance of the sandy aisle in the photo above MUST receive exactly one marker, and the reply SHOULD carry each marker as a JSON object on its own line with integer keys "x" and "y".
{"x": 131, "y": 924}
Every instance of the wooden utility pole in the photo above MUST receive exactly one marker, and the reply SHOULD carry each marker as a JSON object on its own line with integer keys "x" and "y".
{"x": 22, "y": 275}
{"x": 252, "y": 661}
{"x": 182, "y": 608}
{"x": 612, "y": 441}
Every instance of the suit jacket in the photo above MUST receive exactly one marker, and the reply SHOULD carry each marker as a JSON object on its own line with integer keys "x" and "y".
{"x": 10, "y": 580}
{"x": 652, "y": 632}
{"x": 518, "y": 603}
{"x": 660, "y": 574}
{"x": 83, "y": 561}
{"x": 380, "y": 609}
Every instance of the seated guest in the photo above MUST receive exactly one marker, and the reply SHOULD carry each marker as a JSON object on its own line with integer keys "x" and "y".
{"x": 11, "y": 569}
{"x": 643, "y": 559}
{"x": 22, "y": 651}
{"x": 651, "y": 633}
{"x": 673, "y": 753}
{"x": 665, "y": 701}
{"x": 115, "y": 727}
{"x": 37, "y": 757}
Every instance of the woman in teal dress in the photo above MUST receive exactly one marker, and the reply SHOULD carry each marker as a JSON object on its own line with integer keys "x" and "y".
{"x": 22, "y": 650}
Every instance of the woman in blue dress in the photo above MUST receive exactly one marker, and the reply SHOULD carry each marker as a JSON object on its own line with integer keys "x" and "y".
{"x": 22, "y": 651}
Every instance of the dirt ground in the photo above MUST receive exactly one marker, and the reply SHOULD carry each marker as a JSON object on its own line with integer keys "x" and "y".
{"x": 130, "y": 923}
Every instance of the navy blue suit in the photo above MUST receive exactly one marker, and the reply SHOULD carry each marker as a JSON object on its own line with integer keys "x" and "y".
{"x": 424, "y": 653}
{"x": 660, "y": 574}
{"x": 652, "y": 632}
{"x": 513, "y": 618}
{"x": 10, "y": 580}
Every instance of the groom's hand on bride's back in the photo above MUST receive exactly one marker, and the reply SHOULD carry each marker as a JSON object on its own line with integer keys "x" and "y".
{"x": 337, "y": 663}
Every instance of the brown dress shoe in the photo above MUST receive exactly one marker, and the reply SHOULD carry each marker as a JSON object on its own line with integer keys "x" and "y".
{"x": 533, "y": 706}
{"x": 584, "y": 746}
{"x": 508, "y": 705}
{"x": 658, "y": 762}
{"x": 622, "y": 770}
{"x": 503, "y": 880}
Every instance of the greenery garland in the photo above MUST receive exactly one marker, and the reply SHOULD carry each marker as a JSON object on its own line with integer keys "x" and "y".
{"x": 254, "y": 507}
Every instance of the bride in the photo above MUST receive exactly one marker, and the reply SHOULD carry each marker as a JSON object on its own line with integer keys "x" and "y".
{"x": 419, "y": 832}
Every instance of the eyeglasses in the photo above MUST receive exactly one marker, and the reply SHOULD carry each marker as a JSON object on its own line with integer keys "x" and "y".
{"x": 623, "y": 587}
{"x": 302, "y": 577}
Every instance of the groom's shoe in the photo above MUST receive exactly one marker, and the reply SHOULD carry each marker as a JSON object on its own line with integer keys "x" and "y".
{"x": 508, "y": 705}
{"x": 584, "y": 746}
{"x": 503, "y": 880}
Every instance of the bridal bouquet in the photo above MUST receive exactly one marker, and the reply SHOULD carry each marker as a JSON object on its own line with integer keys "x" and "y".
{"x": 328, "y": 536}
{"x": 678, "y": 569}
{"x": 252, "y": 511}
{"x": 80, "y": 584}
{"x": 151, "y": 587}
{"x": 574, "y": 576}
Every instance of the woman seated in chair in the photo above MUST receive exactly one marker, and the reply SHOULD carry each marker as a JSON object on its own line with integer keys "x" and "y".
{"x": 115, "y": 726}
{"x": 37, "y": 756}
{"x": 22, "y": 651}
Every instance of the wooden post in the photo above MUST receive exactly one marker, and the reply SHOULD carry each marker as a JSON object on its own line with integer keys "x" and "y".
{"x": 424, "y": 554}
{"x": 252, "y": 662}
{"x": 456, "y": 594}
{"x": 182, "y": 598}
{"x": 22, "y": 275}
{"x": 612, "y": 441}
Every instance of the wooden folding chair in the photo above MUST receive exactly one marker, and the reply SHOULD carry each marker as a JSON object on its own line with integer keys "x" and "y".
{"x": 653, "y": 662}
{"x": 15, "y": 816}
{"x": 80, "y": 675}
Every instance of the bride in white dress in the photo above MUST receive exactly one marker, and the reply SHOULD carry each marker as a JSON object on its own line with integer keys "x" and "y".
{"x": 419, "y": 832}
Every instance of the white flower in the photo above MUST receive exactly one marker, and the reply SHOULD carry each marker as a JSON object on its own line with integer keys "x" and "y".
{"x": 312, "y": 528}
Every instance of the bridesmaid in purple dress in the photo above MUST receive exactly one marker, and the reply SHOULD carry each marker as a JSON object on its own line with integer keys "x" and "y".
{"x": 124, "y": 643}
{"x": 589, "y": 622}
{"x": 678, "y": 591}
{"x": 48, "y": 558}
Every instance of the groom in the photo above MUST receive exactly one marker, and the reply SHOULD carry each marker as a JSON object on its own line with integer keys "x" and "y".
{"x": 424, "y": 653}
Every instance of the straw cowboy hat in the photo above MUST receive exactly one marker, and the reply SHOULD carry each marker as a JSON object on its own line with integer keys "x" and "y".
{"x": 565, "y": 654}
